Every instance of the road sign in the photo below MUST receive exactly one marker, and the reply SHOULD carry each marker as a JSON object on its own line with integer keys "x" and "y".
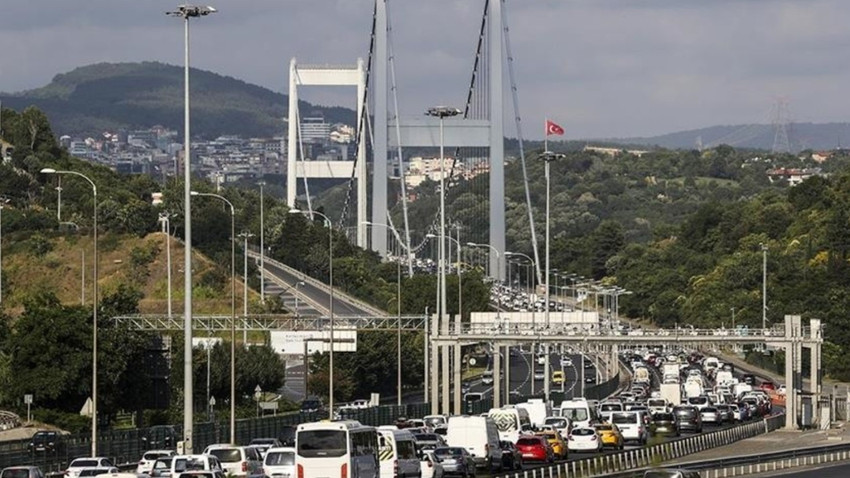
{"x": 28, "y": 399}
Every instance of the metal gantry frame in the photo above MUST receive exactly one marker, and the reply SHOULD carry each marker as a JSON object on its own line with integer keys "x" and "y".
{"x": 275, "y": 322}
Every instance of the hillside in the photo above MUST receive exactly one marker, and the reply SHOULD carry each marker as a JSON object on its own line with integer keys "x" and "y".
{"x": 817, "y": 136}
{"x": 109, "y": 96}
{"x": 39, "y": 264}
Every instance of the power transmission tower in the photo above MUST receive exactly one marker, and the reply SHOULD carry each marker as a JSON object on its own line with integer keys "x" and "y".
{"x": 780, "y": 118}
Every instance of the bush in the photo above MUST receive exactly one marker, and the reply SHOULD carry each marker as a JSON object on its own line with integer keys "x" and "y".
{"x": 70, "y": 422}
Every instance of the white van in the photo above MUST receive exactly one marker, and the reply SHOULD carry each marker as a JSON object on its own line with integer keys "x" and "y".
{"x": 537, "y": 410}
{"x": 480, "y": 437}
{"x": 631, "y": 425}
{"x": 579, "y": 413}
{"x": 658, "y": 405}
{"x": 397, "y": 454}
{"x": 181, "y": 463}
{"x": 510, "y": 421}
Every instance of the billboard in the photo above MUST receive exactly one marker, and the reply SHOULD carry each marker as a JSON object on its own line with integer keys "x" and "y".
{"x": 292, "y": 341}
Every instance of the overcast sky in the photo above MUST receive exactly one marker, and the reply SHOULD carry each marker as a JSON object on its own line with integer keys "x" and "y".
{"x": 598, "y": 67}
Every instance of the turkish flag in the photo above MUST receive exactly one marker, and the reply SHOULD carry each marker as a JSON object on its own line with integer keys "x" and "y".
{"x": 552, "y": 128}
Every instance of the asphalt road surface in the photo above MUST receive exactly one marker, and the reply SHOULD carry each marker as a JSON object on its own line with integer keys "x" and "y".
{"x": 314, "y": 293}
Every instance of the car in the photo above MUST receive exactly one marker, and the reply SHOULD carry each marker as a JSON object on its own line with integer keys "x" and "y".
{"x": 558, "y": 377}
{"x": 159, "y": 437}
{"x": 202, "y": 474}
{"x": 149, "y": 458}
{"x": 725, "y": 413}
{"x": 96, "y": 471}
{"x": 610, "y": 435}
{"x": 184, "y": 463}
{"x": 584, "y": 439}
{"x": 279, "y": 462}
{"x": 161, "y": 467}
{"x": 535, "y": 448}
{"x": 430, "y": 465}
{"x": 559, "y": 447}
{"x": 631, "y": 425}
{"x": 664, "y": 423}
{"x": 455, "y": 460}
{"x": 79, "y": 464}
{"x": 312, "y": 405}
{"x": 740, "y": 412}
{"x": 670, "y": 473}
{"x": 590, "y": 379}
{"x": 263, "y": 444}
{"x": 47, "y": 441}
{"x": 539, "y": 374}
{"x": 22, "y": 472}
{"x": 566, "y": 362}
{"x": 559, "y": 424}
{"x": 689, "y": 418}
{"x": 511, "y": 456}
{"x": 237, "y": 460}
{"x": 429, "y": 441}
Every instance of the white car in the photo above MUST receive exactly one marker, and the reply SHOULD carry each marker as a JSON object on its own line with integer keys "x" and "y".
{"x": 78, "y": 465}
{"x": 279, "y": 462}
{"x": 239, "y": 461}
{"x": 430, "y": 466}
{"x": 584, "y": 439}
{"x": 541, "y": 359}
{"x": 149, "y": 458}
{"x": 566, "y": 362}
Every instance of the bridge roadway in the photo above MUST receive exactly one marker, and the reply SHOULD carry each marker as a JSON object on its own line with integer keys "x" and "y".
{"x": 522, "y": 365}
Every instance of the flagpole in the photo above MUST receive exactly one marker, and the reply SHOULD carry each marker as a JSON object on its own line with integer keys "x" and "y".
{"x": 546, "y": 134}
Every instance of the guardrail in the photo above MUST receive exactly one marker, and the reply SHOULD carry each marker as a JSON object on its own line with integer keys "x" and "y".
{"x": 627, "y": 463}
{"x": 372, "y": 310}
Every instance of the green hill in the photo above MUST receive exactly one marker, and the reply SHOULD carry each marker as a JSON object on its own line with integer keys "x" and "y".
{"x": 108, "y": 96}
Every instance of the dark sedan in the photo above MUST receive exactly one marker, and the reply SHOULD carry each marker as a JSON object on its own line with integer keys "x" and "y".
{"x": 664, "y": 424}
{"x": 511, "y": 456}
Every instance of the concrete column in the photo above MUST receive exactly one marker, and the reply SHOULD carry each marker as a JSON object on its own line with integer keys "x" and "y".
{"x": 497, "y": 140}
{"x": 793, "y": 352}
{"x": 380, "y": 174}
{"x": 445, "y": 374}
{"x": 456, "y": 367}
{"x": 435, "y": 366}
{"x": 292, "y": 136}
{"x": 362, "y": 170}
{"x": 508, "y": 375}
{"x": 497, "y": 375}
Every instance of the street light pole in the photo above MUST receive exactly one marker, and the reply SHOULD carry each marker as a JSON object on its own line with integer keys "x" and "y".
{"x": 245, "y": 235}
{"x": 548, "y": 157}
{"x": 329, "y": 225}
{"x": 764, "y": 286}
{"x": 185, "y": 12}
{"x": 442, "y": 112}
{"x": 262, "y": 247}
{"x": 232, "y": 309}
{"x": 94, "y": 309}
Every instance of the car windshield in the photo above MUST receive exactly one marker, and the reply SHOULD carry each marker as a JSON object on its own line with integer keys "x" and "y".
{"x": 582, "y": 432}
{"x": 709, "y": 410}
{"x": 684, "y": 412}
{"x": 316, "y": 443}
{"x": 575, "y": 414}
{"x": 663, "y": 417}
{"x": 448, "y": 452}
{"x": 84, "y": 464}
{"x": 227, "y": 455}
{"x": 425, "y": 437}
{"x": 697, "y": 400}
{"x": 44, "y": 437}
{"x": 280, "y": 458}
{"x": 94, "y": 471}
{"x": 16, "y": 473}
{"x": 624, "y": 418}
{"x": 557, "y": 422}
{"x": 162, "y": 463}
{"x": 527, "y": 441}
{"x": 153, "y": 455}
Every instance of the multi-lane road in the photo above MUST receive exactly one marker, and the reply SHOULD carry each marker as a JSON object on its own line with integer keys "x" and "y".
{"x": 524, "y": 363}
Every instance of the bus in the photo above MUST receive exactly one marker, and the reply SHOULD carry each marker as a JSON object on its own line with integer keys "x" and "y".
{"x": 342, "y": 449}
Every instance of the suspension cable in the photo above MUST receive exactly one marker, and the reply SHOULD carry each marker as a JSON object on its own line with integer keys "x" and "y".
{"x": 518, "y": 120}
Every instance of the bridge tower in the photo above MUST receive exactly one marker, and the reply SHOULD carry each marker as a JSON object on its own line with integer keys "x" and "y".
{"x": 425, "y": 131}
{"x": 303, "y": 75}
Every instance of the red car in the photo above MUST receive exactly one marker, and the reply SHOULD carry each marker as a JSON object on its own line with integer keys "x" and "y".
{"x": 535, "y": 448}
{"x": 768, "y": 386}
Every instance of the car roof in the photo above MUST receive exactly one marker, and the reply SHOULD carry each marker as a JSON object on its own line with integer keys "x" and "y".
{"x": 280, "y": 449}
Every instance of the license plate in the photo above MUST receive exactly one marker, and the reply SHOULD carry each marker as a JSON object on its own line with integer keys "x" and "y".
{"x": 528, "y": 454}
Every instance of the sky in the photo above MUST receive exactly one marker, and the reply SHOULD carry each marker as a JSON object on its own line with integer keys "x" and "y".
{"x": 599, "y": 68}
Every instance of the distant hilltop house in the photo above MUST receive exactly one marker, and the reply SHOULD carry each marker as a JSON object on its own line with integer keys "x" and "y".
{"x": 6, "y": 150}
{"x": 613, "y": 151}
{"x": 794, "y": 176}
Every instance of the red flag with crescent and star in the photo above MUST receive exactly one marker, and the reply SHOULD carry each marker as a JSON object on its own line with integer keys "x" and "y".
{"x": 553, "y": 129}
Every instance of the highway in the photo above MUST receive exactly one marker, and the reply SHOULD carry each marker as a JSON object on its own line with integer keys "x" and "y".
{"x": 315, "y": 294}
{"x": 827, "y": 471}
{"x": 522, "y": 372}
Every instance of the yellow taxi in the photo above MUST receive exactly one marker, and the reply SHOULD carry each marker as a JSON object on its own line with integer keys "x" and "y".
{"x": 610, "y": 435}
{"x": 559, "y": 447}
{"x": 558, "y": 377}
